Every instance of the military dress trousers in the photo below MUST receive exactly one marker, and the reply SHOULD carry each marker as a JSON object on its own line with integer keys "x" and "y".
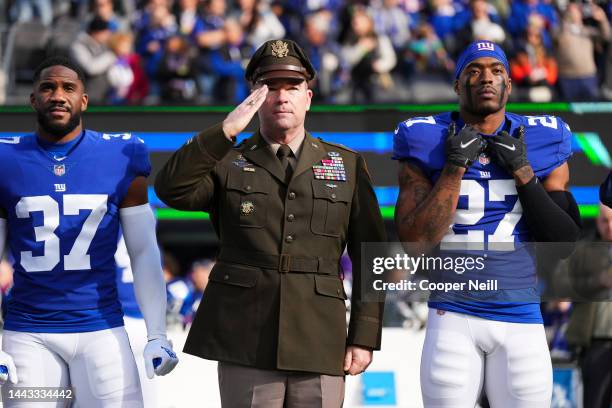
{"x": 275, "y": 298}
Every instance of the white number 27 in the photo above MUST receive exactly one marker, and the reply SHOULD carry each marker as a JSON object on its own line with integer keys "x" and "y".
{"x": 77, "y": 259}
{"x": 502, "y": 238}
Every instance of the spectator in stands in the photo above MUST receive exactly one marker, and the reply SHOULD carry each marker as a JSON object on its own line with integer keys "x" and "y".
{"x": 290, "y": 18}
{"x": 305, "y": 8}
{"x": 292, "y": 14}
{"x": 344, "y": 17}
{"x": 447, "y": 16}
{"x": 481, "y": 26}
{"x": 177, "y": 289}
{"x": 412, "y": 7}
{"x": 432, "y": 67}
{"x": 200, "y": 271}
{"x": 324, "y": 54}
{"x": 392, "y": 21}
{"x": 428, "y": 52}
{"x": 120, "y": 74}
{"x": 523, "y": 10}
{"x": 152, "y": 39}
{"x": 122, "y": 45}
{"x": 370, "y": 57}
{"x": 208, "y": 34}
{"x": 229, "y": 63}
{"x": 606, "y": 87}
{"x": 177, "y": 71}
{"x": 188, "y": 16}
{"x": 590, "y": 325}
{"x": 24, "y": 11}
{"x": 105, "y": 10}
{"x": 258, "y": 22}
{"x": 575, "y": 52}
{"x": 533, "y": 71}
{"x": 502, "y": 7}
{"x": 140, "y": 86}
{"x": 142, "y": 16}
{"x": 91, "y": 52}
{"x": 556, "y": 316}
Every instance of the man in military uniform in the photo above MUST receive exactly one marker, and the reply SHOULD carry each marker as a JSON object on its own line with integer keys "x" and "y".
{"x": 284, "y": 205}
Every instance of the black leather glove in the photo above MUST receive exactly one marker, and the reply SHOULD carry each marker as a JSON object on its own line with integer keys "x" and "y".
{"x": 463, "y": 148}
{"x": 508, "y": 151}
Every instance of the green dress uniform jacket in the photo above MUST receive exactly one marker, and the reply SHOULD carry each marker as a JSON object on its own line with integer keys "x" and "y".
{"x": 275, "y": 299}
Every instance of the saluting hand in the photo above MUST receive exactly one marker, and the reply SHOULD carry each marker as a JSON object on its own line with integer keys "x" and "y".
{"x": 238, "y": 119}
{"x": 357, "y": 359}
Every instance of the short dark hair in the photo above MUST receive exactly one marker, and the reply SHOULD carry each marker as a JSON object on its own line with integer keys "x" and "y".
{"x": 63, "y": 61}
{"x": 97, "y": 24}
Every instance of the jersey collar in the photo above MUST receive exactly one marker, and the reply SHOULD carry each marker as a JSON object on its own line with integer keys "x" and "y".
{"x": 510, "y": 124}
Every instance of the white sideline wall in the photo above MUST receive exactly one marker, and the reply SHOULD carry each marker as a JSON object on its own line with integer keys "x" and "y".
{"x": 193, "y": 383}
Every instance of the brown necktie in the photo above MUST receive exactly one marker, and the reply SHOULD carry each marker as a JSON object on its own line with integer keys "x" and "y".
{"x": 283, "y": 154}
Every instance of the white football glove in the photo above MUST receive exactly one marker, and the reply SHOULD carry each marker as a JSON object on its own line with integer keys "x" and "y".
{"x": 8, "y": 371}
{"x": 159, "y": 357}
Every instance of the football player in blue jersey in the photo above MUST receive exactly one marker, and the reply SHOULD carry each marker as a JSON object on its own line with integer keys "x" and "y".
{"x": 475, "y": 179}
{"x": 65, "y": 193}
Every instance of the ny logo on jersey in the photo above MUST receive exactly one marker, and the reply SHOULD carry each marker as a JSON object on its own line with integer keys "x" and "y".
{"x": 485, "y": 46}
{"x": 60, "y": 188}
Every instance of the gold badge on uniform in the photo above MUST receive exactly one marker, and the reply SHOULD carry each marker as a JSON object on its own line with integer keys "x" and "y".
{"x": 280, "y": 49}
{"x": 247, "y": 208}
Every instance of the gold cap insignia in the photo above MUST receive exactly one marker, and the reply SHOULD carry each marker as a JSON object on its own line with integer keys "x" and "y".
{"x": 280, "y": 49}
{"x": 247, "y": 208}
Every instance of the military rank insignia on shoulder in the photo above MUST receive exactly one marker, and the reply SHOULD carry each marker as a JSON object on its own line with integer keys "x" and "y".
{"x": 337, "y": 145}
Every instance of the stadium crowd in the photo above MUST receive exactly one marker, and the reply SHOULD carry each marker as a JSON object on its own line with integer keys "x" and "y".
{"x": 194, "y": 51}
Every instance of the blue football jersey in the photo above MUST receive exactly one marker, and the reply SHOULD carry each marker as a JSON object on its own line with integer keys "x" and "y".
{"x": 63, "y": 225}
{"x": 489, "y": 216}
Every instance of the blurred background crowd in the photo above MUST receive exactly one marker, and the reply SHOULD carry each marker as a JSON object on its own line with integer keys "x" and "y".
{"x": 365, "y": 51}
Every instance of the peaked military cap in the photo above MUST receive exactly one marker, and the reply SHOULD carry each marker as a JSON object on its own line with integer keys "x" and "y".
{"x": 279, "y": 59}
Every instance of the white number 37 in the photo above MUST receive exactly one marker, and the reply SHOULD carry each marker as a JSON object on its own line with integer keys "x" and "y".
{"x": 77, "y": 259}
